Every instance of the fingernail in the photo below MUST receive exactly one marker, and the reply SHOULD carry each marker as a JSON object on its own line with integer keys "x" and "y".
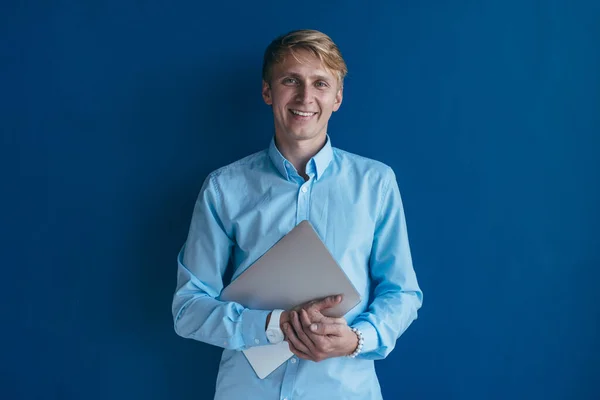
{"x": 286, "y": 326}
{"x": 313, "y": 327}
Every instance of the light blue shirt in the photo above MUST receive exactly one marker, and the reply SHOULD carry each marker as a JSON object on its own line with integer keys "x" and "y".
{"x": 242, "y": 210}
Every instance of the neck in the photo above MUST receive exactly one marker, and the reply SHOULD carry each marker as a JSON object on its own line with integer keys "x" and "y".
{"x": 299, "y": 152}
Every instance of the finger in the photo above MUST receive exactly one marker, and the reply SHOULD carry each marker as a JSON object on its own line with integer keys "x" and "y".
{"x": 308, "y": 319}
{"x": 298, "y": 353}
{"x": 327, "y": 302}
{"x": 293, "y": 339}
{"x": 327, "y": 329}
{"x": 315, "y": 330}
{"x": 314, "y": 326}
{"x": 300, "y": 332}
{"x": 322, "y": 342}
{"x": 305, "y": 319}
{"x": 331, "y": 320}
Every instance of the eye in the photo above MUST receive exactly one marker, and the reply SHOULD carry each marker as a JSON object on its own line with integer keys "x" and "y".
{"x": 290, "y": 81}
{"x": 321, "y": 84}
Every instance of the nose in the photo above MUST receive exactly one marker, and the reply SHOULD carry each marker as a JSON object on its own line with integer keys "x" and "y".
{"x": 304, "y": 94}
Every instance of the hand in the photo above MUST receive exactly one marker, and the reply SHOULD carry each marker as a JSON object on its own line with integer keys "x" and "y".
{"x": 314, "y": 308}
{"x": 312, "y": 336}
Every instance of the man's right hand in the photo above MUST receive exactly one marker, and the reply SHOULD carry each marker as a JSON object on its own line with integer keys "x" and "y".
{"x": 315, "y": 337}
{"x": 313, "y": 308}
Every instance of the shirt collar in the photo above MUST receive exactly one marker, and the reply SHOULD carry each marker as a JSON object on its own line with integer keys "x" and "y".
{"x": 320, "y": 161}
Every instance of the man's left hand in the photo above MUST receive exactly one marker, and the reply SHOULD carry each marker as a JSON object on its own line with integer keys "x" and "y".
{"x": 318, "y": 341}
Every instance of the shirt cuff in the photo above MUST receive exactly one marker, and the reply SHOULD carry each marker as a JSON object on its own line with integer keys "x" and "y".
{"x": 253, "y": 327}
{"x": 370, "y": 336}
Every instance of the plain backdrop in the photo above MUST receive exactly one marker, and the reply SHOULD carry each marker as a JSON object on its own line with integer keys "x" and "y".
{"x": 112, "y": 114}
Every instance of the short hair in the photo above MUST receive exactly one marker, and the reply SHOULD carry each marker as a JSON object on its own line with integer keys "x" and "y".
{"x": 317, "y": 43}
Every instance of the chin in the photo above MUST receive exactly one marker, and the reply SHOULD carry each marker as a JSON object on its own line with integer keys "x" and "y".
{"x": 304, "y": 135}
{"x": 308, "y": 136}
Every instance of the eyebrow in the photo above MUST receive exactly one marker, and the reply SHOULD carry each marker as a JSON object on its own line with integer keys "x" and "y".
{"x": 318, "y": 77}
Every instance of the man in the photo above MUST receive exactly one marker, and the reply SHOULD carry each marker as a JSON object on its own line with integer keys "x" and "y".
{"x": 244, "y": 208}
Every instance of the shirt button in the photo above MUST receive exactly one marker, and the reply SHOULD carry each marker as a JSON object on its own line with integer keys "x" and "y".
{"x": 304, "y": 189}
{"x": 293, "y": 360}
{"x": 256, "y": 341}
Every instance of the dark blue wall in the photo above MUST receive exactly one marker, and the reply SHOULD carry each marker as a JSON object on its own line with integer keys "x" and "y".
{"x": 112, "y": 114}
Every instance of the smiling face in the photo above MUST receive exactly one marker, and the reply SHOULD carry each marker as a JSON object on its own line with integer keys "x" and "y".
{"x": 303, "y": 95}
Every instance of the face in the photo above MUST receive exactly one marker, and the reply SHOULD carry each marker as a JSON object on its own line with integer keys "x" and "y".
{"x": 303, "y": 96}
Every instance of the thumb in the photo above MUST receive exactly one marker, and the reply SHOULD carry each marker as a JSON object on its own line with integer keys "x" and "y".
{"x": 327, "y": 329}
{"x": 328, "y": 302}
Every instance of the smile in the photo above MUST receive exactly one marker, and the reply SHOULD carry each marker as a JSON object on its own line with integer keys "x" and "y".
{"x": 302, "y": 113}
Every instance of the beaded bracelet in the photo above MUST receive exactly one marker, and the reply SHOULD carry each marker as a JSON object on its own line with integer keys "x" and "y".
{"x": 361, "y": 340}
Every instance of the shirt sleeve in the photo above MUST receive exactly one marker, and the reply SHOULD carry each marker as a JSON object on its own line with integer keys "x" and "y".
{"x": 396, "y": 293}
{"x": 201, "y": 263}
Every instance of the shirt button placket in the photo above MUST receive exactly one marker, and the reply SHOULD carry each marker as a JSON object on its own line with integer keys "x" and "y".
{"x": 289, "y": 378}
{"x": 303, "y": 200}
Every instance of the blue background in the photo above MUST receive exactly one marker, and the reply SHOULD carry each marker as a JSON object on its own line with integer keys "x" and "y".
{"x": 112, "y": 114}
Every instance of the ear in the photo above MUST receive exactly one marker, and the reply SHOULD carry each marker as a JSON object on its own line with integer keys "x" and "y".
{"x": 266, "y": 93}
{"x": 338, "y": 99}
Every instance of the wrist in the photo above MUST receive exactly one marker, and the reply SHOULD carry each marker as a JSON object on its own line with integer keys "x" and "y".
{"x": 285, "y": 317}
{"x": 268, "y": 320}
{"x": 359, "y": 343}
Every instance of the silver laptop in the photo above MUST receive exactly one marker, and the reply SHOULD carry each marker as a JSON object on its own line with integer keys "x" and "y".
{"x": 297, "y": 269}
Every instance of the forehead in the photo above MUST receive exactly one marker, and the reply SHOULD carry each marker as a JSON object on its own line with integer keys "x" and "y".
{"x": 302, "y": 63}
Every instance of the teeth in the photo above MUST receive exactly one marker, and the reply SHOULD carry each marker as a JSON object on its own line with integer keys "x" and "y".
{"x": 303, "y": 114}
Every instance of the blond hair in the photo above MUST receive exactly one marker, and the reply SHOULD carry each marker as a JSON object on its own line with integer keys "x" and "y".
{"x": 315, "y": 42}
